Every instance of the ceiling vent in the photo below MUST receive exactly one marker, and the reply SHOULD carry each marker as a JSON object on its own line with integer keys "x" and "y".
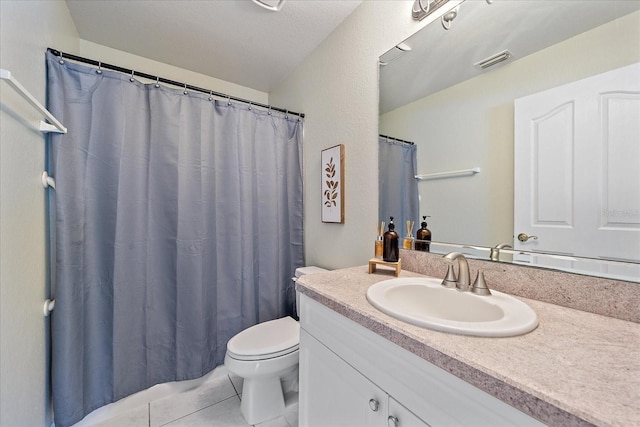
{"x": 493, "y": 60}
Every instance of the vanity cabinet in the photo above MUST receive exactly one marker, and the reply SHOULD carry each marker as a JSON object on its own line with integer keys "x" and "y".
{"x": 336, "y": 394}
{"x": 351, "y": 376}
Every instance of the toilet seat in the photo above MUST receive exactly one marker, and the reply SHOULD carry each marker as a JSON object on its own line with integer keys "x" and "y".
{"x": 266, "y": 340}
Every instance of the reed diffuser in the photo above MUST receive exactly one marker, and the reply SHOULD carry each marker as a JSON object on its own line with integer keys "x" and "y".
{"x": 407, "y": 242}
{"x": 378, "y": 248}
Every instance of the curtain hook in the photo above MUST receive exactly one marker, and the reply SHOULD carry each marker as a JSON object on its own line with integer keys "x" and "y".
{"x": 269, "y": 112}
{"x": 211, "y": 95}
{"x": 131, "y": 79}
{"x": 61, "y": 61}
{"x": 286, "y": 114}
{"x": 185, "y": 89}
{"x": 157, "y": 82}
{"x": 229, "y": 100}
{"x": 249, "y": 105}
{"x": 99, "y": 70}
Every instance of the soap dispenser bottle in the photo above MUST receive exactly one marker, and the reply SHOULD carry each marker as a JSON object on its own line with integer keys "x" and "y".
{"x": 390, "y": 244}
{"x": 423, "y": 234}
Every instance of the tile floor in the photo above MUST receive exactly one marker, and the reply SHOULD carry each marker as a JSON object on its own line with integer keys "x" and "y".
{"x": 216, "y": 402}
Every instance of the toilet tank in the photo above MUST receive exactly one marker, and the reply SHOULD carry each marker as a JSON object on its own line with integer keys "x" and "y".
{"x": 301, "y": 271}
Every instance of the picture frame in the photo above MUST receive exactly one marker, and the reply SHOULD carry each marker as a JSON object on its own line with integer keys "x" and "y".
{"x": 332, "y": 179}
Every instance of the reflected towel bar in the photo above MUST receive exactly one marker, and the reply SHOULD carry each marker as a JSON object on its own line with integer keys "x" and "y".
{"x": 56, "y": 126}
{"x": 463, "y": 172}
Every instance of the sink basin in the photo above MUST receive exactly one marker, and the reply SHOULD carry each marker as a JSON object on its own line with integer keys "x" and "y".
{"x": 425, "y": 302}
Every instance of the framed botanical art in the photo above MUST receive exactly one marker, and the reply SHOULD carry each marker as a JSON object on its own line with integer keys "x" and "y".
{"x": 333, "y": 184}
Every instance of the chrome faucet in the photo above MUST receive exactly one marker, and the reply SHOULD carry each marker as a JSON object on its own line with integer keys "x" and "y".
{"x": 495, "y": 252}
{"x": 479, "y": 286}
{"x": 464, "y": 278}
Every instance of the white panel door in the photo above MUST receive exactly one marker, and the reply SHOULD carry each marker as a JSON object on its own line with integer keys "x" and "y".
{"x": 577, "y": 170}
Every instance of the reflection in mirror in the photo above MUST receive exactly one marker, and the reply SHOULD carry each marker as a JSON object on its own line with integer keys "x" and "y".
{"x": 462, "y": 117}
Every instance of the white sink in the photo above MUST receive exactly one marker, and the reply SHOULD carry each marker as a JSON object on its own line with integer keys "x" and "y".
{"x": 425, "y": 302}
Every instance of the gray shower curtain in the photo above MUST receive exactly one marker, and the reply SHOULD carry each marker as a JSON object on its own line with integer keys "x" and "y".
{"x": 397, "y": 185}
{"x": 178, "y": 224}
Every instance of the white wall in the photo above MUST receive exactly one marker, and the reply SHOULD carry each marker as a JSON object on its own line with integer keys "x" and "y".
{"x": 471, "y": 124}
{"x": 27, "y": 28}
{"x": 127, "y": 60}
{"x": 337, "y": 88}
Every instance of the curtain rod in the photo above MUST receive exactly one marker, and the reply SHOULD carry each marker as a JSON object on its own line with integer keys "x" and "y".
{"x": 166, "y": 81}
{"x": 397, "y": 139}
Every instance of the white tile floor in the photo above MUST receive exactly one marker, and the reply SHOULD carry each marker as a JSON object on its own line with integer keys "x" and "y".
{"x": 216, "y": 402}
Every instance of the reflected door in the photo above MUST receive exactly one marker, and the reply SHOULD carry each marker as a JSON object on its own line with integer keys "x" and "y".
{"x": 577, "y": 171}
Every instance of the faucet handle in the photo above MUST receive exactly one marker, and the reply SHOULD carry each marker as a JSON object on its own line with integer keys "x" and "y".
{"x": 479, "y": 286}
{"x": 450, "y": 279}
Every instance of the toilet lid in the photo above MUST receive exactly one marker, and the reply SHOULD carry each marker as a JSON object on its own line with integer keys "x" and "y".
{"x": 267, "y": 339}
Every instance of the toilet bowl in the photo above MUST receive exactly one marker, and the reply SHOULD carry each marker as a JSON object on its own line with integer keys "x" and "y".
{"x": 262, "y": 355}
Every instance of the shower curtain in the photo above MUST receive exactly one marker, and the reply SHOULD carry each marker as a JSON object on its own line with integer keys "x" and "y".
{"x": 178, "y": 224}
{"x": 397, "y": 185}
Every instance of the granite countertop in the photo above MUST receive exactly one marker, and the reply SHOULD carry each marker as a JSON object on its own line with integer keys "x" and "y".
{"x": 575, "y": 368}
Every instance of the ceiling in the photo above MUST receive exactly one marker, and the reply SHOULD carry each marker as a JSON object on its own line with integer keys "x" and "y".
{"x": 440, "y": 58}
{"x": 233, "y": 40}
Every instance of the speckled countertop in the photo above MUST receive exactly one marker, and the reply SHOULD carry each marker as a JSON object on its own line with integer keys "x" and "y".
{"x": 575, "y": 368}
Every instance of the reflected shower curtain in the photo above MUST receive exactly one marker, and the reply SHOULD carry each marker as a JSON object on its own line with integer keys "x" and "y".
{"x": 178, "y": 224}
{"x": 397, "y": 185}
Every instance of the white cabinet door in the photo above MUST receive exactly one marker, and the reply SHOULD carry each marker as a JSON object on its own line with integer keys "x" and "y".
{"x": 399, "y": 416}
{"x": 577, "y": 168}
{"x": 335, "y": 393}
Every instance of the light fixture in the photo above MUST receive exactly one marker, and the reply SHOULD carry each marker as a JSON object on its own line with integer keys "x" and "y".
{"x": 493, "y": 60}
{"x": 423, "y": 8}
{"x": 272, "y": 5}
{"x": 394, "y": 53}
{"x": 448, "y": 17}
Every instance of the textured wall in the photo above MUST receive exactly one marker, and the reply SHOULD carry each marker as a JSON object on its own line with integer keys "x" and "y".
{"x": 27, "y": 29}
{"x": 138, "y": 63}
{"x": 337, "y": 87}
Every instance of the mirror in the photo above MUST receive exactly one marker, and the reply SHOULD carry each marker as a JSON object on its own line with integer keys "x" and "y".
{"x": 462, "y": 117}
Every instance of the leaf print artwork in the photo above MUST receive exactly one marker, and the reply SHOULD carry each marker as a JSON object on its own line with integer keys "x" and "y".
{"x": 331, "y": 192}
{"x": 332, "y": 184}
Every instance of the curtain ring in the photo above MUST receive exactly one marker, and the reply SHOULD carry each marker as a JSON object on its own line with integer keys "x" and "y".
{"x": 157, "y": 82}
{"x": 131, "y": 79}
{"x": 99, "y": 70}
{"x": 211, "y": 95}
{"x": 185, "y": 89}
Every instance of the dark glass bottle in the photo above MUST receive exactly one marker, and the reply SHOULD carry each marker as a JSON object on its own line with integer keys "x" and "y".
{"x": 390, "y": 244}
{"x": 423, "y": 234}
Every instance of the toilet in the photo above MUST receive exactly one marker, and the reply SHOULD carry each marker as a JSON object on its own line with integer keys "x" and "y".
{"x": 262, "y": 355}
